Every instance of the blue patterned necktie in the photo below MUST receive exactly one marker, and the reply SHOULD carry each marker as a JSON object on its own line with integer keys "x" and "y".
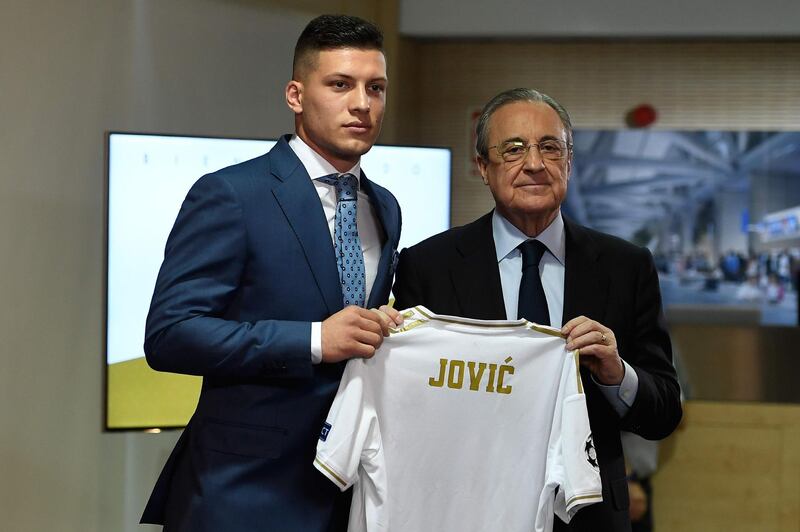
{"x": 532, "y": 303}
{"x": 347, "y": 244}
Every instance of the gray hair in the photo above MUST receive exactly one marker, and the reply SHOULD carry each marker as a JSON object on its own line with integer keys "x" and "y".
{"x": 511, "y": 96}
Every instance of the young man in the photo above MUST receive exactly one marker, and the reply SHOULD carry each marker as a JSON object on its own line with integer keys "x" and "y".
{"x": 262, "y": 292}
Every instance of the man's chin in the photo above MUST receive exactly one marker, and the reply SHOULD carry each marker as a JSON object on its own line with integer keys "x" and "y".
{"x": 354, "y": 149}
{"x": 535, "y": 207}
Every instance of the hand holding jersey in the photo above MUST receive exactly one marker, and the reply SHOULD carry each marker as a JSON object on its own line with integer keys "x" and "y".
{"x": 354, "y": 332}
{"x": 598, "y": 345}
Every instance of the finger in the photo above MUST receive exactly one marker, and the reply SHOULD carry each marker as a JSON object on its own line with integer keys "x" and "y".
{"x": 394, "y": 314}
{"x": 595, "y": 352}
{"x": 571, "y": 324}
{"x": 583, "y": 328}
{"x": 371, "y": 325}
{"x": 369, "y": 351}
{"x": 370, "y": 338}
{"x": 362, "y": 350}
{"x": 577, "y": 341}
{"x": 582, "y": 342}
{"x": 386, "y": 321}
{"x": 607, "y": 338}
{"x": 369, "y": 314}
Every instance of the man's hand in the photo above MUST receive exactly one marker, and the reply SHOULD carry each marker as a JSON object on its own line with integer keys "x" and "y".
{"x": 356, "y": 332}
{"x": 638, "y": 501}
{"x": 598, "y": 348}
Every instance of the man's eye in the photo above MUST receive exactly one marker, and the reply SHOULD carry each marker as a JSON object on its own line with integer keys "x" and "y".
{"x": 339, "y": 84}
{"x": 513, "y": 150}
{"x": 376, "y": 88}
{"x": 549, "y": 147}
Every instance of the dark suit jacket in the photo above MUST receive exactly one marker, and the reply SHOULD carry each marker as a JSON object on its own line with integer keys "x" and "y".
{"x": 248, "y": 266}
{"x": 606, "y": 279}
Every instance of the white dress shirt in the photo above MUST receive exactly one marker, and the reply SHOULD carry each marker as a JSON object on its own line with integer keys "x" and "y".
{"x": 370, "y": 231}
{"x": 551, "y": 269}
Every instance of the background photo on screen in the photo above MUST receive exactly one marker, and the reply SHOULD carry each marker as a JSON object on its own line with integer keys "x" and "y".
{"x": 719, "y": 210}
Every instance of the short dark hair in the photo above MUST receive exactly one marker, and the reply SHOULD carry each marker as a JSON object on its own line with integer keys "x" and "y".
{"x": 511, "y": 96}
{"x": 329, "y": 32}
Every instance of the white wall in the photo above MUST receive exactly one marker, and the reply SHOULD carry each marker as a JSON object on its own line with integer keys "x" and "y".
{"x": 68, "y": 72}
{"x": 589, "y": 18}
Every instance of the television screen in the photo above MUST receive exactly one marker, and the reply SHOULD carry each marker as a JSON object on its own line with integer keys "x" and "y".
{"x": 148, "y": 178}
{"x": 719, "y": 210}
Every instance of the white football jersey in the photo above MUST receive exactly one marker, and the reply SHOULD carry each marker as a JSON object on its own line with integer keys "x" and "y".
{"x": 462, "y": 425}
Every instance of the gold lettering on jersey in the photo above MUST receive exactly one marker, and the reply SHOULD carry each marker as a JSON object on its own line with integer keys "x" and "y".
{"x": 492, "y": 372}
{"x": 453, "y": 374}
{"x": 455, "y": 378}
{"x": 475, "y": 377}
{"x": 439, "y": 382}
{"x": 505, "y": 369}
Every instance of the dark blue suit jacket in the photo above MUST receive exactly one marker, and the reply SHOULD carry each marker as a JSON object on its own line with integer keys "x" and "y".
{"x": 248, "y": 266}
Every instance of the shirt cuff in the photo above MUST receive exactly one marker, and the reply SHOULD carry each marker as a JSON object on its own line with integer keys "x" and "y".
{"x": 316, "y": 342}
{"x": 622, "y": 395}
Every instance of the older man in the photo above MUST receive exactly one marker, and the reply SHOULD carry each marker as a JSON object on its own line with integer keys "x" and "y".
{"x": 525, "y": 259}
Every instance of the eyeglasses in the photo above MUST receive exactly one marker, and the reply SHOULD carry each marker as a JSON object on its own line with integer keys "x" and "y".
{"x": 515, "y": 150}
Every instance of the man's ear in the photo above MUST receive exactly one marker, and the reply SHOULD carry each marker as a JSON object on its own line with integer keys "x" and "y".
{"x": 482, "y": 167}
{"x": 569, "y": 165}
{"x": 294, "y": 96}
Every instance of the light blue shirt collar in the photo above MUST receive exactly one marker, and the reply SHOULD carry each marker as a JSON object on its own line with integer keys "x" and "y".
{"x": 315, "y": 164}
{"x": 507, "y": 237}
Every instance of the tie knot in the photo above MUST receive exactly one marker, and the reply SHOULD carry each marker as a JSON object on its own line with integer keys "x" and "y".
{"x": 532, "y": 251}
{"x": 347, "y": 186}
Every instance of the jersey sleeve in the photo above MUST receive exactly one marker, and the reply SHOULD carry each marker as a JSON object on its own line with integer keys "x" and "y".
{"x": 350, "y": 434}
{"x": 573, "y": 471}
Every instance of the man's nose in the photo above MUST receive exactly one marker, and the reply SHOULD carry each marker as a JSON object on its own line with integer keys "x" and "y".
{"x": 533, "y": 159}
{"x": 360, "y": 100}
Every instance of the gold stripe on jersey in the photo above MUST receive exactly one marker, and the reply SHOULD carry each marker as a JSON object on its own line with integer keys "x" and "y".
{"x": 421, "y": 310}
{"x": 576, "y": 354}
{"x": 545, "y": 330}
{"x": 406, "y": 327}
{"x": 408, "y": 314}
{"x": 331, "y": 472}
{"x": 507, "y": 324}
{"x": 597, "y": 496}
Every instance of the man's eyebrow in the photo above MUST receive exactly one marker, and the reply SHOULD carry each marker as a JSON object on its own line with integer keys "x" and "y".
{"x": 349, "y": 77}
{"x": 550, "y": 137}
{"x": 525, "y": 141}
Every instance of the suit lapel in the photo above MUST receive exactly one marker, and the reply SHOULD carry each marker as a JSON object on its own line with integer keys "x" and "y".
{"x": 301, "y": 206}
{"x": 585, "y": 285}
{"x": 388, "y": 218}
{"x": 477, "y": 277}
